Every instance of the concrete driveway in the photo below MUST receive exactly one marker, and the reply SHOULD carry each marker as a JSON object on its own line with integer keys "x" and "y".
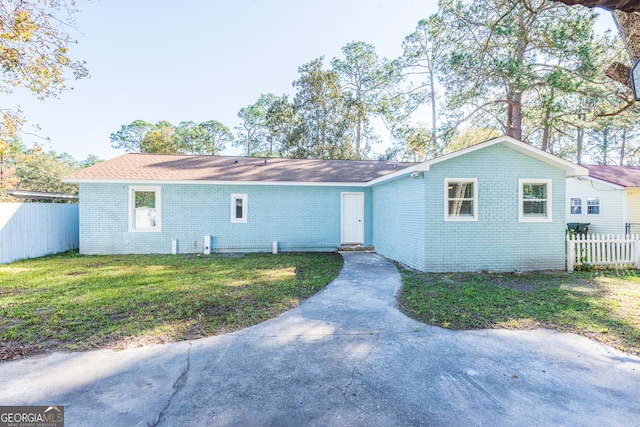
{"x": 344, "y": 357}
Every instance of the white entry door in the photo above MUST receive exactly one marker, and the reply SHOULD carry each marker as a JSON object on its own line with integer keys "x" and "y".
{"x": 352, "y": 218}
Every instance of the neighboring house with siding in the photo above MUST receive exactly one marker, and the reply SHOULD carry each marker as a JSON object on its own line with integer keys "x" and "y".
{"x": 608, "y": 199}
{"x": 499, "y": 205}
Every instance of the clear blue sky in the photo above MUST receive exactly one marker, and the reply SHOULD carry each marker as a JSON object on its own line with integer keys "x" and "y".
{"x": 200, "y": 60}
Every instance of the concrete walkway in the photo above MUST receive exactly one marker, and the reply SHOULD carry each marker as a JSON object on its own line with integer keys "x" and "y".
{"x": 344, "y": 357}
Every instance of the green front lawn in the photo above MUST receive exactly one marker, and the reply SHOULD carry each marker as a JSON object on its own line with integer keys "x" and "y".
{"x": 602, "y": 305}
{"x": 71, "y": 302}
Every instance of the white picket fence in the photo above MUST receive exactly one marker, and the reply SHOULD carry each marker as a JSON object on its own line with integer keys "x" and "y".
{"x": 601, "y": 249}
{"x": 29, "y": 230}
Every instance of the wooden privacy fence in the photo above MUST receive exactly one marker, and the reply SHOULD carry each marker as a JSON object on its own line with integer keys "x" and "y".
{"x": 29, "y": 230}
{"x": 601, "y": 249}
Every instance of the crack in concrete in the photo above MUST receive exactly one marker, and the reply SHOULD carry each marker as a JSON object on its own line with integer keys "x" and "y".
{"x": 177, "y": 386}
{"x": 345, "y": 392}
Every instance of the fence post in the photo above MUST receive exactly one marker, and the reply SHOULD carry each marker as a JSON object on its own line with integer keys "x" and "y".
{"x": 636, "y": 251}
{"x": 571, "y": 256}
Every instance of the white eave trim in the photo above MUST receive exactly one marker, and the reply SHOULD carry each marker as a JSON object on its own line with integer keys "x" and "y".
{"x": 600, "y": 181}
{"x": 394, "y": 175}
{"x": 204, "y": 182}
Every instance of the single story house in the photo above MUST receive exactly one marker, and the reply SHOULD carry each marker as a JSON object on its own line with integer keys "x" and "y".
{"x": 498, "y": 205}
{"x": 608, "y": 199}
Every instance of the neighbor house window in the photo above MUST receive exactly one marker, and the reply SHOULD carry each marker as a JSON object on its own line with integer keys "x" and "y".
{"x": 534, "y": 200}
{"x": 593, "y": 205}
{"x": 461, "y": 199}
{"x": 144, "y": 208}
{"x": 589, "y": 205}
{"x": 575, "y": 206}
{"x": 238, "y": 208}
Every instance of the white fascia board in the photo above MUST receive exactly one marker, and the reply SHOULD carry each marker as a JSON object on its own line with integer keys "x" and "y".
{"x": 199, "y": 182}
{"x": 394, "y": 175}
{"x": 599, "y": 181}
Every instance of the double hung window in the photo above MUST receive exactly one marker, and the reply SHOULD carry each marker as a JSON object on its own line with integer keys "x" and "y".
{"x": 461, "y": 199}
{"x": 575, "y": 206}
{"x": 145, "y": 209}
{"x": 593, "y": 206}
{"x": 534, "y": 200}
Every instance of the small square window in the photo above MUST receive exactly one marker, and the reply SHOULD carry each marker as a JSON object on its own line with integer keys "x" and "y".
{"x": 144, "y": 208}
{"x": 239, "y": 208}
{"x": 461, "y": 199}
{"x": 534, "y": 200}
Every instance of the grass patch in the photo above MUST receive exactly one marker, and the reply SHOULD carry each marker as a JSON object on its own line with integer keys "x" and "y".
{"x": 70, "y": 302}
{"x": 602, "y": 305}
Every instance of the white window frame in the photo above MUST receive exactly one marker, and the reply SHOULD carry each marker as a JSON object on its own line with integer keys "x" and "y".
{"x": 587, "y": 205}
{"x": 571, "y": 205}
{"x": 584, "y": 200}
{"x": 132, "y": 208}
{"x": 549, "y": 213}
{"x": 245, "y": 208}
{"x": 448, "y": 181}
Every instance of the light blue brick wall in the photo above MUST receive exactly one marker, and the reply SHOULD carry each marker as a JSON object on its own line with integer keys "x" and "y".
{"x": 497, "y": 241}
{"x": 404, "y": 218}
{"x": 299, "y": 218}
{"x": 399, "y": 220}
{"x": 409, "y": 223}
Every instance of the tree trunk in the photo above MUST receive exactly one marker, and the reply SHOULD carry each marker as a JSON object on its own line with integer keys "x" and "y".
{"x": 434, "y": 117}
{"x": 517, "y": 116}
{"x": 359, "y": 119}
{"x": 580, "y": 141}
{"x": 514, "y": 116}
{"x": 605, "y": 144}
{"x": 623, "y": 145}
{"x": 509, "y": 129}
{"x": 358, "y": 136}
{"x": 545, "y": 138}
{"x": 516, "y": 100}
{"x": 545, "y": 132}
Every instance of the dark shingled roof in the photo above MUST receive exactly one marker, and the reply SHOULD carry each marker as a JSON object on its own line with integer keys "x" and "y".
{"x": 161, "y": 167}
{"x": 625, "y": 176}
